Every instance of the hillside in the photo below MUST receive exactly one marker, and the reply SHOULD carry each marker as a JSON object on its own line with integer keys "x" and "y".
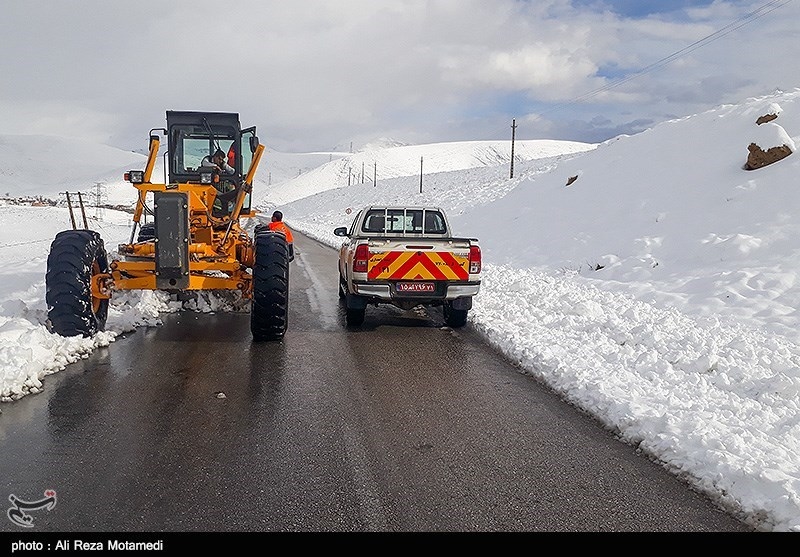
{"x": 32, "y": 165}
{"x": 409, "y": 160}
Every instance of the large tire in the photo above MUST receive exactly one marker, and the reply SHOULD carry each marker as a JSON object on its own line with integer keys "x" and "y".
{"x": 355, "y": 309}
{"x": 75, "y": 257}
{"x": 454, "y": 317}
{"x": 264, "y": 227}
{"x": 269, "y": 311}
{"x": 146, "y": 232}
{"x": 261, "y": 227}
{"x": 355, "y": 317}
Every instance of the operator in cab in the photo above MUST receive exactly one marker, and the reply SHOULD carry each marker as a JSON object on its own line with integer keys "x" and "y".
{"x": 223, "y": 204}
{"x": 218, "y": 161}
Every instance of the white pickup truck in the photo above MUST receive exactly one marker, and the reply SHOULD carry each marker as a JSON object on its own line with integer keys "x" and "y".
{"x": 406, "y": 257}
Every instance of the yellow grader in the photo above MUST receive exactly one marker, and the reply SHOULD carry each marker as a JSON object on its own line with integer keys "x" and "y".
{"x": 194, "y": 242}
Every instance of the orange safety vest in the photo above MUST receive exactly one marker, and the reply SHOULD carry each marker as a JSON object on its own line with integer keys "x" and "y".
{"x": 279, "y": 226}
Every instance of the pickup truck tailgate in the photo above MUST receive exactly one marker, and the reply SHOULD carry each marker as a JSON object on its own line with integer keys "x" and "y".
{"x": 423, "y": 263}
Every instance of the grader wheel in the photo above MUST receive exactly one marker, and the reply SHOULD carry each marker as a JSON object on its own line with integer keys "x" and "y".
{"x": 269, "y": 312}
{"x": 146, "y": 232}
{"x": 76, "y": 257}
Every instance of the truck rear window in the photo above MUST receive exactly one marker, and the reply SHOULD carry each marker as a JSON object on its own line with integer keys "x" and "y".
{"x": 404, "y": 221}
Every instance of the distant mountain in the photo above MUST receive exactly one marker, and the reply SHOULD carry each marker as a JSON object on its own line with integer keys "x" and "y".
{"x": 369, "y": 145}
{"x": 278, "y": 167}
{"x": 381, "y": 143}
{"x": 47, "y": 165}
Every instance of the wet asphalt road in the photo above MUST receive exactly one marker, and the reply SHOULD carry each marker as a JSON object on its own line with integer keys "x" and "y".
{"x": 403, "y": 425}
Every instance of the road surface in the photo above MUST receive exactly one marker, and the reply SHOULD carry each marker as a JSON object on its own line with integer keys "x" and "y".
{"x": 402, "y": 425}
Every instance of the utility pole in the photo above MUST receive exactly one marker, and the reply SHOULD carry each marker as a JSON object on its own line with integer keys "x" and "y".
{"x": 420, "y": 175}
{"x": 83, "y": 211}
{"x": 513, "y": 134}
{"x": 99, "y": 198}
{"x": 71, "y": 214}
{"x": 97, "y": 201}
{"x": 362, "y": 172}
{"x": 375, "y": 174}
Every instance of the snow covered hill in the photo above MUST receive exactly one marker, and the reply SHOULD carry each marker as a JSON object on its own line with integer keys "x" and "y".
{"x": 47, "y": 165}
{"x": 379, "y": 164}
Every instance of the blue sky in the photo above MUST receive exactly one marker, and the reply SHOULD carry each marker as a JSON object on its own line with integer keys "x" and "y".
{"x": 318, "y": 75}
{"x": 639, "y": 8}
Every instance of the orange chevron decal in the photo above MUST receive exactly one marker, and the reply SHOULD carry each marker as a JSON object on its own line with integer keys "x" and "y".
{"x": 417, "y": 265}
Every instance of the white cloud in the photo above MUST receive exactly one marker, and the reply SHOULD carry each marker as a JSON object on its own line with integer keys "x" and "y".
{"x": 315, "y": 73}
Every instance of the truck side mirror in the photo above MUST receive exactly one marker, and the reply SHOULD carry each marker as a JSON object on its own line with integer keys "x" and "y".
{"x": 341, "y": 231}
{"x": 253, "y": 143}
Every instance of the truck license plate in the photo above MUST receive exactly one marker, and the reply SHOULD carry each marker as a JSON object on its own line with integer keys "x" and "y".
{"x": 415, "y": 287}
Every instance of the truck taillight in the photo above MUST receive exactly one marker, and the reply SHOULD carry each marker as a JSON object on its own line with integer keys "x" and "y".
{"x": 361, "y": 258}
{"x": 474, "y": 260}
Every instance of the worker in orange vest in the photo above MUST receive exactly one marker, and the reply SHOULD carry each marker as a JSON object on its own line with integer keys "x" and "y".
{"x": 278, "y": 225}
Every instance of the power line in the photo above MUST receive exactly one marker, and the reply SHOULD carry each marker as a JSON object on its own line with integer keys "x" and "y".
{"x": 730, "y": 28}
{"x": 740, "y": 22}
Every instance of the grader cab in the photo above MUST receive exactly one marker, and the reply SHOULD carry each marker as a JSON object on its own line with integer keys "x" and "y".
{"x": 194, "y": 242}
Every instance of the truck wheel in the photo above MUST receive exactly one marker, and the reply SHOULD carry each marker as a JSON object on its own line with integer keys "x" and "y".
{"x": 342, "y": 287}
{"x": 454, "y": 317}
{"x": 269, "y": 311}
{"x": 75, "y": 257}
{"x": 146, "y": 232}
{"x": 355, "y": 317}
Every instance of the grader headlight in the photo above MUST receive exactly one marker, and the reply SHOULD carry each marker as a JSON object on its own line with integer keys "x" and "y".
{"x": 134, "y": 176}
{"x": 207, "y": 177}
